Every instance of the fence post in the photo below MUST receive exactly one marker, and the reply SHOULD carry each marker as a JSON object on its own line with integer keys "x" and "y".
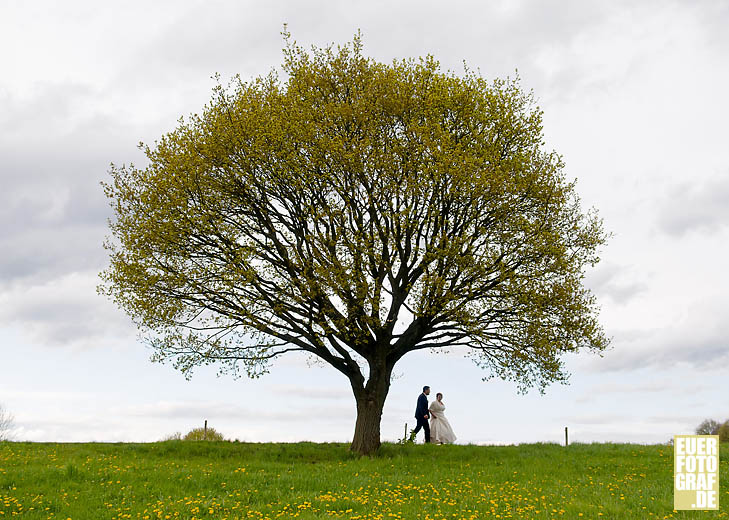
{"x": 566, "y": 442}
{"x": 205, "y": 431}
{"x": 405, "y": 437}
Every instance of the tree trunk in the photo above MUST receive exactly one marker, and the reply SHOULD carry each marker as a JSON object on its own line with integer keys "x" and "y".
{"x": 370, "y": 402}
{"x": 367, "y": 428}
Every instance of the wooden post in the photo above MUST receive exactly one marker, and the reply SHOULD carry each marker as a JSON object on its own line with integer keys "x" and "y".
{"x": 405, "y": 437}
{"x": 566, "y": 442}
{"x": 205, "y": 432}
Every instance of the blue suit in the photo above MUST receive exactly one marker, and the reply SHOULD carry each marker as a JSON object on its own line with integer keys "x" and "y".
{"x": 422, "y": 415}
{"x": 422, "y": 409}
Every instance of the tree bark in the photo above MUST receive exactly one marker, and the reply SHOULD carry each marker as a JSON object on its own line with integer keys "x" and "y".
{"x": 370, "y": 402}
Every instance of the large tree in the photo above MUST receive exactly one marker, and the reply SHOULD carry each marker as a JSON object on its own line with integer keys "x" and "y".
{"x": 357, "y": 211}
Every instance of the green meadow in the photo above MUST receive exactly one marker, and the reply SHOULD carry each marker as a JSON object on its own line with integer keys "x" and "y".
{"x": 230, "y": 480}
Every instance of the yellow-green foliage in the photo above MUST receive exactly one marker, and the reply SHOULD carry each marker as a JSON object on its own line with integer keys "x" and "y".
{"x": 723, "y": 432}
{"x": 315, "y": 213}
{"x": 200, "y": 434}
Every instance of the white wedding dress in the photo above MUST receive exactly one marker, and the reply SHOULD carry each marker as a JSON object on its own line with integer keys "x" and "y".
{"x": 440, "y": 429}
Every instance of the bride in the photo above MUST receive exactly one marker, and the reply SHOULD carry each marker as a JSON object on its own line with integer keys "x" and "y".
{"x": 440, "y": 429}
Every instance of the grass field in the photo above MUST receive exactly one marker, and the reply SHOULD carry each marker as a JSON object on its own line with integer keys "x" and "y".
{"x": 201, "y": 480}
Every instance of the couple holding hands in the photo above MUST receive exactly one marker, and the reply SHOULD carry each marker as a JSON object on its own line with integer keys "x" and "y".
{"x": 439, "y": 430}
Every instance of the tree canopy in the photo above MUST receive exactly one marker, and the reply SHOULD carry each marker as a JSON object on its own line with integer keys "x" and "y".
{"x": 357, "y": 211}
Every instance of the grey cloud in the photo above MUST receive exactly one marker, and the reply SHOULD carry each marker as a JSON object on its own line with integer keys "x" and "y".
{"x": 628, "y": 423}
{"x": 52, "y": 208}
{"x": 54, "y": 151}
{"x": 46, "y": 108}
{"x": 605, "y": 52}
{"x": 673, "y": 419}
{"x": 64, "y": 311}
{"x": 59, "y": 137}
{"x": 623, "y": 293}
{"x": 225, "y": 39}
{"x": 695, "y": 207}
{"x": 714, "y": 15}
{"x": 617, "y": 282}
{"x": 36, "y": 255}
{"x": 228, "y": 411}
{"x": 87, "y": 428}
{"x": 312, "y": 393}
{"x": 185, "y": 410}
{"x": 59, "y": 143}
{"x": 660, "y": 386}
{"x": 299, "y": 410}
{"x": 244, "y": 38}
{"x": 594, "y": 419}
{"x": 56, "y": 142}
{"x": 619, "y": 390}
{"x": 699, "y": 347}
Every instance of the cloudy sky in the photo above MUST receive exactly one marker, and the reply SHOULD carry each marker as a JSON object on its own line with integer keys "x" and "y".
{"x": 634, "y": 98}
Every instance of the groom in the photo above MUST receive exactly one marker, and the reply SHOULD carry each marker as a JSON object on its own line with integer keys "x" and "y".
{"x": 422, "y": 415}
